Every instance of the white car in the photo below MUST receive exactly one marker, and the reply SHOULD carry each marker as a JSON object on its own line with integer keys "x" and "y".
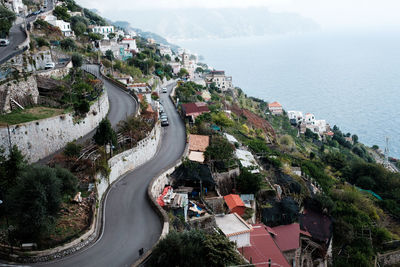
{"x": 4, "y": 42}
{"x": 164, "y": 90}
{"x": 49, "y": 65}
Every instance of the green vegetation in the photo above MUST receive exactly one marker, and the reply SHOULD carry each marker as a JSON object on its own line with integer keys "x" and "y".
{"x": 61, "y": 13}
{"x": 29, "y": 114}
{"x": 32, "y": 195}
{"x": 7, "y": 19}
{"x": 105, "y": 134}
{"x": 194, "y": 248}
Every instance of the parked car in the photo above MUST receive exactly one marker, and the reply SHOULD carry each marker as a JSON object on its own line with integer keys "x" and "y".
{"x": 161, "y": 109}
{"x": 164, "y": 90}
{"x": 4, "y": 42}
{"x": 164, "y": 123}
{"x": 36, "y": 12}
{"x": 164, "y": 117}
{"x": 49, "y": 65}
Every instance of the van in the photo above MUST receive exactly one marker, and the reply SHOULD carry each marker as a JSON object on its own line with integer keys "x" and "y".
{"x": 49, "y": 65}
{"x": 4, "y": 42}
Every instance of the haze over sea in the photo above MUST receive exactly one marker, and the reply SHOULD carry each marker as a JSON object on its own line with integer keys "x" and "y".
{"x": 351, "y": 79}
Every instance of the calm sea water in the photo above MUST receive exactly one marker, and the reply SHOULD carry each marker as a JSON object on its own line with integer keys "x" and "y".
{"x": 350, "y": 79}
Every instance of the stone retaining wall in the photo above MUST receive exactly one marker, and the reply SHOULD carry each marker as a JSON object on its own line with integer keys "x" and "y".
{"x": 38, "y": 139}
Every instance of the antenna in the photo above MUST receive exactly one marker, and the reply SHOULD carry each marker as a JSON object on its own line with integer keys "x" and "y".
{"x": 386, "y": 162}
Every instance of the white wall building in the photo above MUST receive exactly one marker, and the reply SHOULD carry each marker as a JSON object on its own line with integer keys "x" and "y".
{"x": 17, "y": 6}
{"x": 221, "y": 81}
{"x": 104, "y": 30}
{"x": 309, "y": 119}
{"x": 235, "y": 229}
{"x": 295, "y": 117}
{"x": 64, "y": 26}
{"x": 129, "y": 44}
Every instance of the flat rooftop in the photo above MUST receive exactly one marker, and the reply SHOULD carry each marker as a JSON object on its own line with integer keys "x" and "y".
{"x": 232, "y": 224}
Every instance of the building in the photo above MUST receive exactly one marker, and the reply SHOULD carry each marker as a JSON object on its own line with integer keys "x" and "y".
{"x": 263, "y": 250}
{"x": 125, "y": 79}
{"x": 105, "y": 45}
{"x": 219, "y": 79}
{"x": 275, "y": 108}
{"x": 247, "y": 160}
{"x": 64, "y": 26}
{"x": 295, "y": 117}
{"x": 287, "y": 238}
{"x": 130, "y": 44}
{"x": 104, "y": 30}
{"x": 75, "y": 13}
{"x": 176, "y": 67}
{"x": 194, "y": 110}
{"x": 309, "y": 119}
{"x": 17, "y": 6}
{"x": 235, "y": 229}
{"x": 197, "y": 146}
{"x": 165, "y": 50}
{"x": 235, "y": 204}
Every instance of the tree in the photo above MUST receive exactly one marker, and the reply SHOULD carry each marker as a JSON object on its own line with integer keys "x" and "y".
{"x": 77, "y": 60}
{"x": 95, "y": 36}
{"x": 194, "y": 248}
{"x": 79, "y": 28}
{"x": 7, "y": 19}
{"x": 109, "y": 55}
{"x": 354, "y": 138}
{"x": 249, "y": 183}
{"x": 177, "y": 59}
{"x": 68, "y": 44}
{"x": 111, "y": 35}
{"x": 72, "y": 149}
{"x": 35, "y": 201}
{"x": 219, "y": 149}
{"x": 69, "y": 182}
{"x": 105, "y": 134}
{"x": 61, "y": 13}
{"x": 168, "y": 57}
{"x": 199, "y": 70}
{"x": 12, "y": 167}
{"x": 183, "y": 73}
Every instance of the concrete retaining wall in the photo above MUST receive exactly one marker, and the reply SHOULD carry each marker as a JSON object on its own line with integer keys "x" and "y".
{"x": 130, "y": 159}
{"x": 38, "y": 139}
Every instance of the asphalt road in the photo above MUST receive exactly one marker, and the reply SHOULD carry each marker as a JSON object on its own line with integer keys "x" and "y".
{"x": 17, "y": 35}
{"x": 130, "y": 222}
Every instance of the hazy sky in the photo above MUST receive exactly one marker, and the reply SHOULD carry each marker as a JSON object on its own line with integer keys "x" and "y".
{"x": 328, "y": 13}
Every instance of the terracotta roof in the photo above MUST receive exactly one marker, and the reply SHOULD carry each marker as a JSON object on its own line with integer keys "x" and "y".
{"x": 233, "y": 201}
{"x": 263, "y": 248}
{"x": 198, "y": 142}
{"x": 275, "y": 104}
{"x": 287, "y": 237}
{"x": 193, "y": 108}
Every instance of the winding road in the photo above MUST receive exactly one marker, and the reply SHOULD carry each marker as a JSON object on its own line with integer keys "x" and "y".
{"x": 130, "y": 223}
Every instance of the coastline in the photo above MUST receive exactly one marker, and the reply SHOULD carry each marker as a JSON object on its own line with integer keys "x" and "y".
{"x": 347, "y": 102}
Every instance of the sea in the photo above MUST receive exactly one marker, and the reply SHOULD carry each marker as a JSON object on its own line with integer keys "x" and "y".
{"x": 349, "y": 78}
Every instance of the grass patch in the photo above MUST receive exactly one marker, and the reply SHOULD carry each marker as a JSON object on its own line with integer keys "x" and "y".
{"x": 30, "y": 114}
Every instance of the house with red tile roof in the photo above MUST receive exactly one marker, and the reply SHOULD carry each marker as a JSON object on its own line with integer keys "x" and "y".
{"x": 287, "y": 238}
{"x": 263, "y": 249}
{"x": 275, "y": 108}
{"x": 235, "y": 204}
{"x": 194, "y": 110}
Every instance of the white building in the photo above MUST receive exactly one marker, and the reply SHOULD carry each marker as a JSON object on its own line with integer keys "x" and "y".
{"x": 275, "y": 108}
{"x": 129, "y": 44}
{"x": 221, "y": 81}
{"x": 165, "y": 50}
{"x": 309, "y": 119}
{"x": 247, "y": 160}
{"x": 64, "y": 26}
{"x": 104, "y": 30}
{"x": 321, "y": 126}
{"x": 295, "y": 117}
{"x": 235, "y": 229}
{"x": 17, "y": 6}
